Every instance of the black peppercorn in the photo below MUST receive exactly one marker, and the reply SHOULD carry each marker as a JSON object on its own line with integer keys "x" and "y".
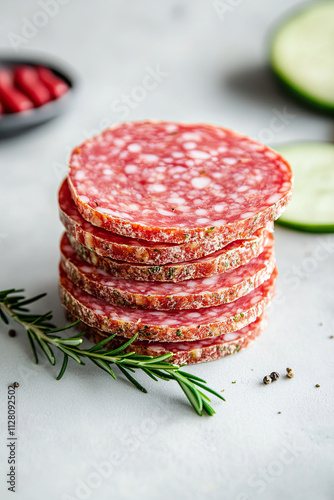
{"x": 274, "y": 376}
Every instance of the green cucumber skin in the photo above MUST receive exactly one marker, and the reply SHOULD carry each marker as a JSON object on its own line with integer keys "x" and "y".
{"x": 319, "y": 228}
{"x": 303, "y": 98}
{"x": 283, "y": 79}
{"x": 307, "y": 228}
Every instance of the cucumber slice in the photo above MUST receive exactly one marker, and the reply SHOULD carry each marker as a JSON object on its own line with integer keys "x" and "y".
{"x": 302, "y": 54}
{"x": 312, "y": 205}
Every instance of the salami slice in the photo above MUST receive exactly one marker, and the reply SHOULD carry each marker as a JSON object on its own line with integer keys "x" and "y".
{"x": 235, "y": 254}
{"x": 193, "y": 324}
{"x": 118, "y": 247}
{"x": 170, "y": 182}
{"x": 192, "y": 294}
{"x": 197, "y": 351}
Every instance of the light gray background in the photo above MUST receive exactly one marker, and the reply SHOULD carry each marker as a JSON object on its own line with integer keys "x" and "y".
{"x": 217, "y": 72}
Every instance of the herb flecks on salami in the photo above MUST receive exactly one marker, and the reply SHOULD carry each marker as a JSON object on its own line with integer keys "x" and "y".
{"x": 212, "y": 178}
{"x": 199, "y": 351}
{"x": 232, "y": 256}
{"x": 118, "y": 247}
{"x": 193, "y": 324}
{"x": 192, "y": 294}
{"x": 169, "y": 238}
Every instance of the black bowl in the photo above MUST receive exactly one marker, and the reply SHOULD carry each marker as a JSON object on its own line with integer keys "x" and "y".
{"x": 15, "y": 123}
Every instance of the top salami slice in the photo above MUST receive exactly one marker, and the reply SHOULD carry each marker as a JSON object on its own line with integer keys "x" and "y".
{"x": 170, "y": 182}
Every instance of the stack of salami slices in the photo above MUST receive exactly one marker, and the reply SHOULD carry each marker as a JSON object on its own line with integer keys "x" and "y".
{"x": 169, "y": 236}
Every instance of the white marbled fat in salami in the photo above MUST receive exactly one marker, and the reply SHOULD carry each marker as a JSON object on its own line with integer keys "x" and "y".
{"x": 232, "y": 256}
{"x": 171, "y": 182}
{"x": 191, "y": 324}
{"x": 196, "y": 351}
{"x": 118, "y": 247}
{"x": 192, "y": 294}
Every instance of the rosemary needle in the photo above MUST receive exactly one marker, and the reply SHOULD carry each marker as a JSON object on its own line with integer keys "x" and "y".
{"x": 41, "y": 333}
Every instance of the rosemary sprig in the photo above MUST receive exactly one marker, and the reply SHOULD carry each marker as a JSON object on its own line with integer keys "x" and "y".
{"x": 41, "y": 334}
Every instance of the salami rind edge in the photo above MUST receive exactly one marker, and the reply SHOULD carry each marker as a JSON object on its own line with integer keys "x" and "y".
{"x": 187, "y": 352}
{"x": 192, "y": 294}
{"x": 171, "y": 182}
{"x": 166, "y": 325}
{"x": 118, "y": 247}
{"x": 234, "y": 255}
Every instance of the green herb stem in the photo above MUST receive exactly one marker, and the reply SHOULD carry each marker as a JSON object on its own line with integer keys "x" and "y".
{"x": 41, "y": 332}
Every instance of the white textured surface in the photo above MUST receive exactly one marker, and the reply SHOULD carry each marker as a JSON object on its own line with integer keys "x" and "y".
{"x": 67, "y": 429}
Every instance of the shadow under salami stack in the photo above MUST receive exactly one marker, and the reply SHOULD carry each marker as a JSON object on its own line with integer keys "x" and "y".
{"x": 169, "y": 237}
